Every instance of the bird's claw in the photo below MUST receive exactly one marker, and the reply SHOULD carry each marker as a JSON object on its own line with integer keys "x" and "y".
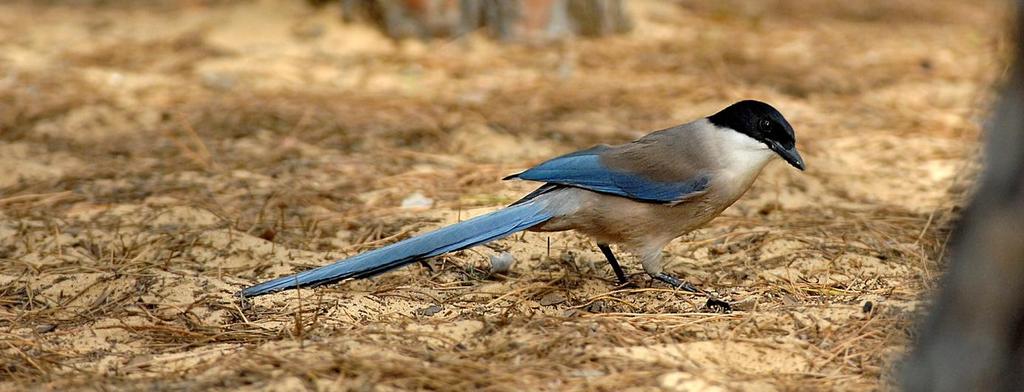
{"x": 716, "y": 305}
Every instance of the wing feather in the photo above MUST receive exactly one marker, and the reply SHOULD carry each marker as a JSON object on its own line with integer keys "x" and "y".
{"x": 587, "y": 169}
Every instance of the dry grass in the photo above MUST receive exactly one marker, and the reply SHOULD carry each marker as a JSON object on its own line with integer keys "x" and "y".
{"x": 157, "y": 161}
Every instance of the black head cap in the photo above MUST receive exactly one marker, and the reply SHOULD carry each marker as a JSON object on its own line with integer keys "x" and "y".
{"x": 763, "y": 123}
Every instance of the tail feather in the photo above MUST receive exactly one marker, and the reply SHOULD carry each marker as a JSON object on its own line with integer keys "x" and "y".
{"x": 469, "y": 233}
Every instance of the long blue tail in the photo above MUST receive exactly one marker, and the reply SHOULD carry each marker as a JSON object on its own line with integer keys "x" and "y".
{"x": 459, "y": 236}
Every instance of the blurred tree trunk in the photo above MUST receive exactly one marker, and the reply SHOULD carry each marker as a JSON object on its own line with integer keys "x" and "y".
{"x": 974, "y": 338}
{"x": 503, "y": 19}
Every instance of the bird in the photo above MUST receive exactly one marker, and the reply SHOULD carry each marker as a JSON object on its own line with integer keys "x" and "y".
{"x": 638, "y": 196}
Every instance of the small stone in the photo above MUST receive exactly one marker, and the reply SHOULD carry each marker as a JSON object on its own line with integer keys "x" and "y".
{"x": 140, "y": 361}
{"x": 429, "y": 310}
{"x": 588, "y": 373}
{"x": 417, "y": 201}
{"x": 868, "y": 306}
{"x": 218, "y": 81}
{"x": 552, "y": 298}
{"x": 788, "y": 300}
{"x": 44, "y": 328}
{"x": 308, "y": 31}
{"x": 596, "y": 307}
{"x": 502, "y": 262}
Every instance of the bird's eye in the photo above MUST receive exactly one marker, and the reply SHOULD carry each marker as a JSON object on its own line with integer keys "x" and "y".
{"x": 765, "y": 125}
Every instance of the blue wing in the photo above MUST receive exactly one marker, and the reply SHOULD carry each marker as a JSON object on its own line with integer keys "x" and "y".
{"x": 584, "y": 169}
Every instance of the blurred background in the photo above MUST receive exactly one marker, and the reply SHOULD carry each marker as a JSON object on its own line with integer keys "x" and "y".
{"x": 158, "y": 156}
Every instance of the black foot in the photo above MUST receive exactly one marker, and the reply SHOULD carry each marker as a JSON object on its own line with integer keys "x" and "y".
{"x": 714, "y": 305}
{"x": 619, "y": 274}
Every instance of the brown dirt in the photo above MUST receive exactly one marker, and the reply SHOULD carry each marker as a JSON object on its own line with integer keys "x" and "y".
{"x": 158, "y": 158}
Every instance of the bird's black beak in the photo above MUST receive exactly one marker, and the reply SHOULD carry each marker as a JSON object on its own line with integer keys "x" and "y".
{"x": 789, "y": 154}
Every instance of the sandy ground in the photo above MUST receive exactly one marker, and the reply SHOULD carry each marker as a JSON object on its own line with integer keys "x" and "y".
{"x": 157, "y": 158}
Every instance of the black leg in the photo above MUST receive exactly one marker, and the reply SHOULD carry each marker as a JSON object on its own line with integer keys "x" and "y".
{"x": 607, "y": 250}
{"x": 714, "y": 304}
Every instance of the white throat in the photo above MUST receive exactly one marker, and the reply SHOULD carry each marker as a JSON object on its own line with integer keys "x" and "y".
{"x": 738, "y": 155}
